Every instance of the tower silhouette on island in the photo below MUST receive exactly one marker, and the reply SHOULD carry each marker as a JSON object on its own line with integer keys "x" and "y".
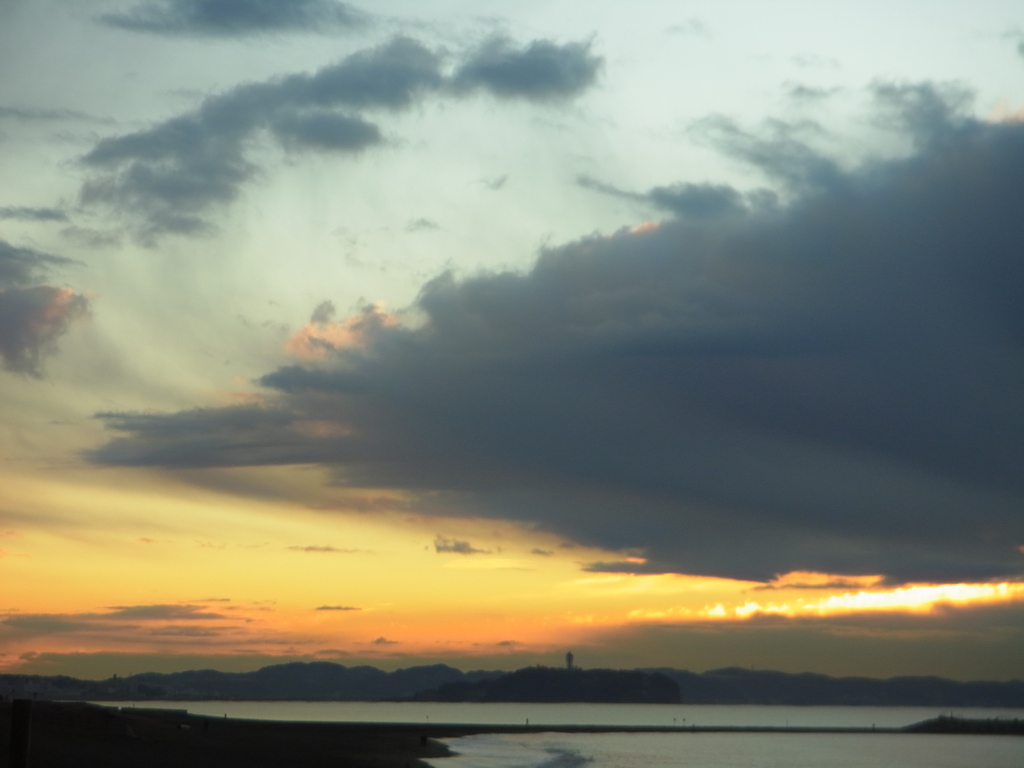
{"x": 568, "y": 660}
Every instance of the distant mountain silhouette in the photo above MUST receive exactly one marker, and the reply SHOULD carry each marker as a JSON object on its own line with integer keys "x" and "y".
{"x": 307, "y": 681}
{"x": 545, "y": 684}
{"x": 325, "y": 681}
{"x": 736, "y": 685}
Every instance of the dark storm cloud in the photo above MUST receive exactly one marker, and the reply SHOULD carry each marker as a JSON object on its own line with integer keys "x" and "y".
{"x": 543, "y": 70}
{"x": 18, "y": 213}
{"x": 168, "y": 178}
{"x": 830, "y": 385}
{"x": 32, "y": 316}
{"x": 230, "y": 18}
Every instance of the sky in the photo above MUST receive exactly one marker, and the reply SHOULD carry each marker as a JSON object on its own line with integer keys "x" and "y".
{"x": 677, "y": 334}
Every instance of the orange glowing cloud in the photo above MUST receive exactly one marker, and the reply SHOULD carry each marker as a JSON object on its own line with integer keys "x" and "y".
{"x": 322, "y": 335}
{"x": 645, "y": 227}
{"x": 911, "y": 599}
{"x": 1002, "y": 113}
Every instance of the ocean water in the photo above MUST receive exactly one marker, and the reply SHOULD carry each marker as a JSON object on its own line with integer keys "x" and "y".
{"x": 733, "y": 750}
{"x": 569, "y": 714}
{"x": 660, "y": 750}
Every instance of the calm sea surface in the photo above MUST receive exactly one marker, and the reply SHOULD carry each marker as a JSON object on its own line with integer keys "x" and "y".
{"x": 661, "y": 750}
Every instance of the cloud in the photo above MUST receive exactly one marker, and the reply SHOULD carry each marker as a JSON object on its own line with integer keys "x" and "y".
{"x": 808, "y": 94}
{"x": 692, "y": 27}
{"x": 783, "y": 150}
{"x": 23, "y": 114}
{"x": 544, "y": 70}
{"x": 384, "y": 641}
{"x": 32, "y": 320}
{"x": 167, "y": 179}
{"x": 231, "y": 18}
{"x": 322, "y": 336}
{"x": 631, "y": 565}
{"x": 159, "y": 612}
{"x": 687, "y": 200}
{"x": 444, "y": 544}
{"x": 831, "y": 581}
{"x": 325, "y": 131}
{"x": 323, "y": 549}
{"x": 32, "y": 214}
{"x": 123, "y": 618}
{"x": 338, "y": 608}
{"x": 32, "y": 316}
{"x": 497, "y": 183}
{"x": 44, "y": 624}
{"x": 185, "y": 632}
{"x": 421, "y": 225}
{"x": 542, "y": 552}
{"x": 23, "y": 266}
{"x": 829, "y": 384}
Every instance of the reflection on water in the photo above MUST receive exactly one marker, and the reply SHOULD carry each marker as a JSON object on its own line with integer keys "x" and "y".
{"x": 734, "y": 750}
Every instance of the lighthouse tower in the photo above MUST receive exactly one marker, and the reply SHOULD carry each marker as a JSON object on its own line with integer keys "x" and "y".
{"x": 568, "y": 660}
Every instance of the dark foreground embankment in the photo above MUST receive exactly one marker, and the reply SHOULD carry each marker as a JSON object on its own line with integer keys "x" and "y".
{"x": 87, "y": 736}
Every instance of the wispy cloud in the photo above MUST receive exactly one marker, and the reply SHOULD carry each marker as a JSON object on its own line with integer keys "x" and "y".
{"x": 160, "y": 612}
{"x": 236, "y": 18}
{"x": 442, "y": 544}
{"x": 338, "y": 608}
{"x": 168, "y": 178}
{"x": 18, "y": 213}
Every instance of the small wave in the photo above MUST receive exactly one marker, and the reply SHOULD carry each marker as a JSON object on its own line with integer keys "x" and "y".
{"x": 564, "y": 758}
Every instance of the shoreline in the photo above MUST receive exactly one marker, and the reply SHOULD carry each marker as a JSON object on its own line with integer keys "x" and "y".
{"x": 87, "y": 735}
